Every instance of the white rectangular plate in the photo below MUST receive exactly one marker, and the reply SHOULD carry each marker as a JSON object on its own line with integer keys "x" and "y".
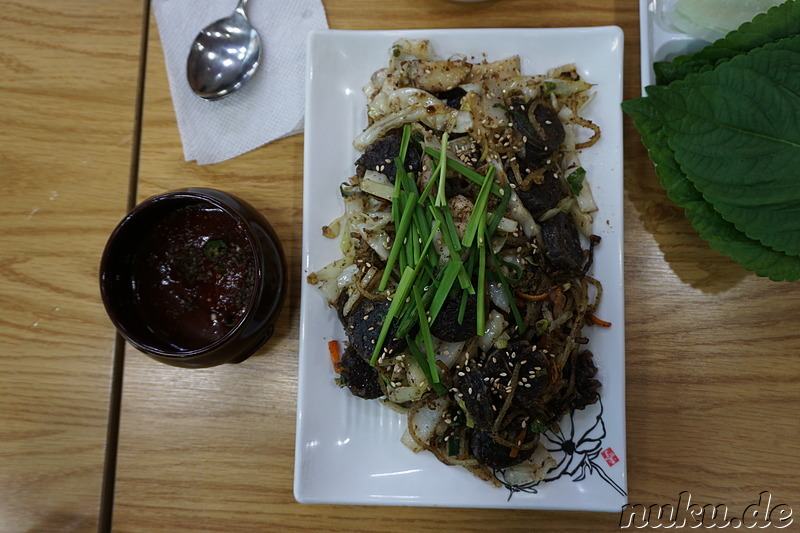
{"x": 348, "y": 450}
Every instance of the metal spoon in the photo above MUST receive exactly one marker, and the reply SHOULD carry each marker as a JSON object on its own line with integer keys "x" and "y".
{"x": 224, "y": 56}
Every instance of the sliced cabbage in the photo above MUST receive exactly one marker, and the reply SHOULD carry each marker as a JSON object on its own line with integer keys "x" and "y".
{"x": 328, "y": 278}
{"x": 439, "y": 76}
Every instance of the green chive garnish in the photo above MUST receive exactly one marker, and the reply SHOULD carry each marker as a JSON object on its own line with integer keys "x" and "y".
{"x": 501, "y": 210}
{"x": 464, "y": 170}
{"x": 477, "y": 219}
{"x": 506, "y": 284}
{"x": 400, "y": 295}
{"x": 404, "y": 142}
{"x": 462, "y": 310}
{"x": 423, "y": 363}
{"x": 400, "y": 235}
{"x": 481, "y": 327}
{"x": 442, "y": 292}
{"x": 575, "y": 180}
{"x": 425, "y": 333}
{"x": 440, "y": 197}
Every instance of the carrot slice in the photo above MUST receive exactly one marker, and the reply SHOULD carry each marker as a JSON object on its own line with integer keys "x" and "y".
{"x": 594, "y": 320}
{"x": 515, "y": 451}
{"x": 336, "y": 358}
{"x": 535, "y": 297}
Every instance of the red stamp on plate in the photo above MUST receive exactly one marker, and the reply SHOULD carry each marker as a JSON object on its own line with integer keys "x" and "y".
{"x": 610, "y": 457}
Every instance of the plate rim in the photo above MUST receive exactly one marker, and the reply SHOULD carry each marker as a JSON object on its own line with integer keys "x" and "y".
{"x": 613, "y": 32}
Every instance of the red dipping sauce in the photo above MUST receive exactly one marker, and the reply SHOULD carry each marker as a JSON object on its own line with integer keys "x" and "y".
{"x": 194, "y": 276}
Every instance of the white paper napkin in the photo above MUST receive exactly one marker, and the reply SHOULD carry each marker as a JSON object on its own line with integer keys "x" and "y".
{"x": 270, "y": 105}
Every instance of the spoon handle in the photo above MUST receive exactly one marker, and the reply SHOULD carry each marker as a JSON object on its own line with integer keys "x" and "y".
{"x": 240, "y": 7}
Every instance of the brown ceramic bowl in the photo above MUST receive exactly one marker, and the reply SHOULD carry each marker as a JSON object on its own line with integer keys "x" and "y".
{"x": 194, "y": 278}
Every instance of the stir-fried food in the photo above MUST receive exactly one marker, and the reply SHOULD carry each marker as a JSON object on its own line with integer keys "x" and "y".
{"x": 466, "y": 240}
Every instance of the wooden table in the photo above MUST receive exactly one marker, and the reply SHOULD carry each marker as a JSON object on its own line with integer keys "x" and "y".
{"x": 713, "y": 363}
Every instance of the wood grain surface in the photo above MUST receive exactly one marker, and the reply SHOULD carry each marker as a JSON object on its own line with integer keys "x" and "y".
{"x": 68, "y": 80}
{"x": 713, "y": 364}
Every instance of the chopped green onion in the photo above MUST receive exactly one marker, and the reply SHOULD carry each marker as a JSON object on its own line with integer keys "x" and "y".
{"x": 425, "y": 333}
{"x": 453, "y": 446}
{"x": 511, "y": 266}
{"x": 443, "y": 290}
{"x": 501, "y": 210}
{"x": 440, "y": 197}
{"x": 506, "y": 285}
{"x": 412, "y": 250}
{"x": 404, "y": 142}
{"x": 462, "y": 310}
{"x": 400, "y": 234}
{"x": 406, "y": 178}
{"x": 450, "y": 237}
{"x": 387, "y": 381}
{"x": 575, "y": 180}
{"x": 541, "y": 326}
{"x": 481, "y": 290}
{"x": 464, "y": 281}
{"x": 450, "y": 226}
{"x": 423, "y": 364}
{"x": 537, "y": 426}
{"x": 477, "y": 219}
{"x": 406, "y": 322}
{"x": 520, "y": 121}
{"x": 400, "y": 295}
{"x": 397, "y": 202}
{"x": 431, "y": 182}
{"x": 464, "y": 170}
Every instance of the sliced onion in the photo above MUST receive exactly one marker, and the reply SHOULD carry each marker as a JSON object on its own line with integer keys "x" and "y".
{"x": 531, "y": 471}
{"x": 498, "y": 296}
{"x": 517, "y": 211}
{"x": 494, "y": 327}
{"x": 448, "y": 352}
{"x": 425, "y": 419}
